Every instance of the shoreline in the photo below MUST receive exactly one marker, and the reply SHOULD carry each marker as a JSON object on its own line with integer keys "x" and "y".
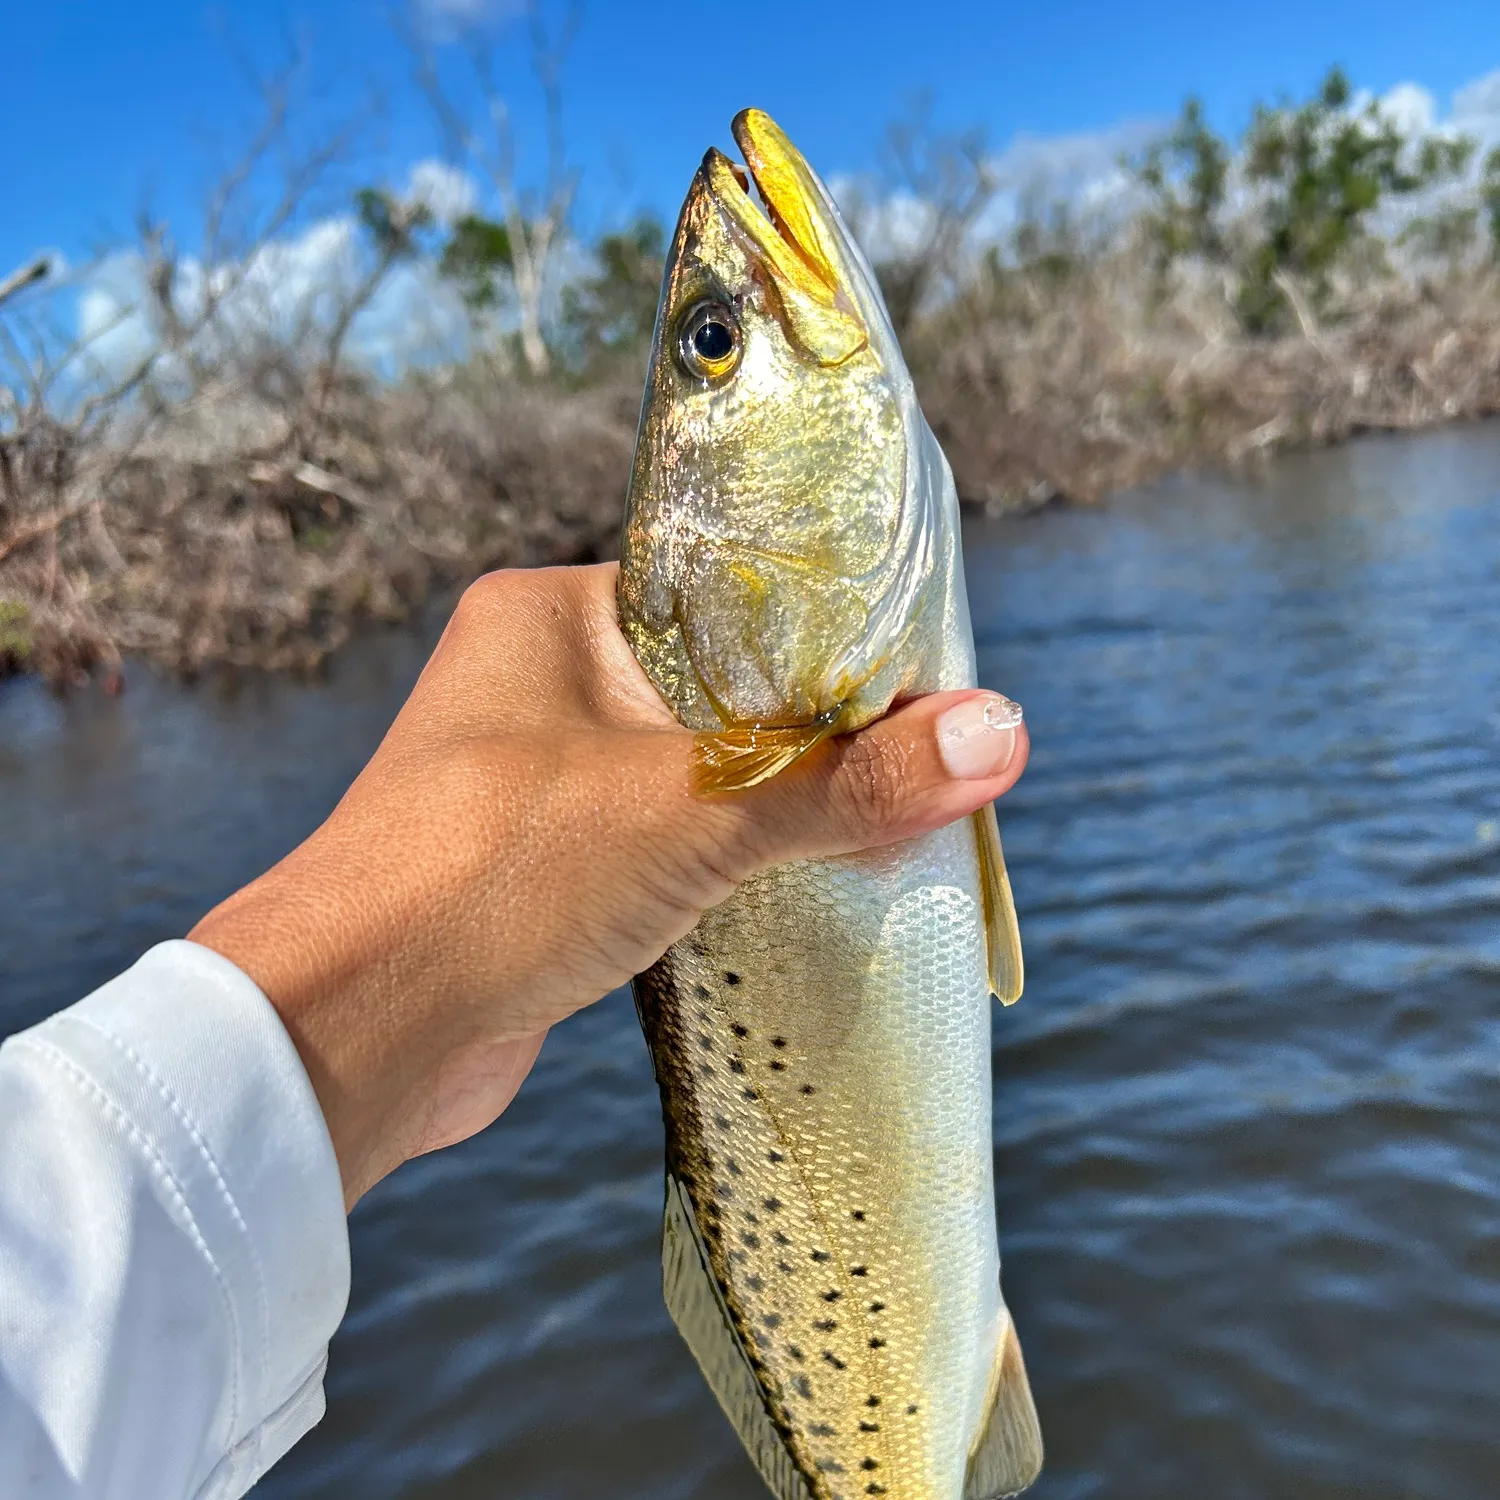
{"x": 267, "y": 555}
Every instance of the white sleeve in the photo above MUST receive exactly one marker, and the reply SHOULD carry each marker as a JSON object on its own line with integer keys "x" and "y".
{"x": 173, "y": 1250}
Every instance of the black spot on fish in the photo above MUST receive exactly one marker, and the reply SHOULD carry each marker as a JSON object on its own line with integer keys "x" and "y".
{"x": 703, "y": 992}
{"x": 706, "y": 1069}
{"x": 829, "y": 1466}
{"x": 869, "y": 1426}
{"x": 755, "y": 1283}
{"x": 869, "y": 1463}
{"x": 874, "y": 1489}
{"x": 752, "y": 1094}
{"x": 807, "y": 1088}
{"x": 772, "y": 1203}
{"x": 723, "y": 1190}
{"x": 911, "y": 1410}
{"x": 706, "y": 1042}
{"x": 730, "y": 977}
{"x": 821, "y": 1255}
{"x": 872, "y": 1400}
{"x": 803, "y": 1387}
{"x": 777, "y": 1066}
{"x": 721, "y": 1122}
{"x": 778, "y": 1041}
{"x": 859, "y": 1271}
{"x": 832, "y": 1295}
{"x": 825, "y": 1325}
{"x": 736, "y": 1066}
{"x": 831, "y": 1358}
{"x": 750, "y": 1218}
{"x": 734, "y": 1167}
{"x": 877, "y": 1343}
{"x": 749, "y": 1241}
{"x": 821, "y": 1429}
{"x": 877, "y": 1307}
{"x": 739, "y": 1030}
{"x": 858, "y": 1216}
{"x": 771, "y": 1320}
{"x": 780, "y": 1238}
{"x": 738, "y": 1257}
{"x": 784, "y": 1266}
{"x": 794, "y": 1351}
{"x": 775, "y": 1158}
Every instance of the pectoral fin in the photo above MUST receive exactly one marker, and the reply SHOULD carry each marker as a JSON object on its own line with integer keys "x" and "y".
{"x": 1001, "y": 933}
{"x": 729, "y": 760}
{"x": 1008, "y": 1455}
{"x": 698, "y": 1310}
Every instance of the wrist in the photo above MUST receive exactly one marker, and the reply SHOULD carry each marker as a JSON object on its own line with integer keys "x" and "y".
{"x": 292, "y": 933}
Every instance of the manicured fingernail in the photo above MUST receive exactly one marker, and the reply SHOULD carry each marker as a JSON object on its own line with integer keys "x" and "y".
{"x": 977, "y": 737}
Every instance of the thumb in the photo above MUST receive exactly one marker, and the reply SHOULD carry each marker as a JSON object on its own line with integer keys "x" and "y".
{"x": 927, "y": 764}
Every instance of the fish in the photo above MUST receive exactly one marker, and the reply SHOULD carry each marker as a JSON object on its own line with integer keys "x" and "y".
{"x": 790, "y": 569}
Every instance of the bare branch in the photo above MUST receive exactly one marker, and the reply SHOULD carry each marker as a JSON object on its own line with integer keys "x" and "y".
{"x": 26, "y": 276}
{"x": 533, "y": 228}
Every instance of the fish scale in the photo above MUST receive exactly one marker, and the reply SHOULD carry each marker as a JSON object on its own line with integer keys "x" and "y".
{"x": 821, "y": 1040}
{"x": 812, "y": 1060}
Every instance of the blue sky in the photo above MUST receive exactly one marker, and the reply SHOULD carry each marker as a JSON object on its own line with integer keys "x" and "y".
{"x": 107, "y": 103}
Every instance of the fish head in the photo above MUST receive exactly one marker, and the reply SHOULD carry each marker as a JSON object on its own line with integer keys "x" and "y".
{"x": 771, "y": 553}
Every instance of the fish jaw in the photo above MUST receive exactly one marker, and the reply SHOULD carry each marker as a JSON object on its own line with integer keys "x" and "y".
{"x": 793, "y": 463}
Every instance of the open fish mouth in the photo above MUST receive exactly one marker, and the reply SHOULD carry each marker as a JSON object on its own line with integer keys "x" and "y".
{"x": 796, "y": 239}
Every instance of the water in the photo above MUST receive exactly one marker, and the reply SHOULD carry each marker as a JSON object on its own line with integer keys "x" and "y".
{"x": 1247, "y": 1120}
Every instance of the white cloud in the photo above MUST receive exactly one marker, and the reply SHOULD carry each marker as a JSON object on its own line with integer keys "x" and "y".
{"x": 1081, "y": 173}
{"x": 447, "y": 191}
{"x": 286, "y": 295}
{"x": 1410, "y": 107}
{"x": 1072, "y": 165}
{"x": 1478, "y": 101}
{"x": 449, "y": 16}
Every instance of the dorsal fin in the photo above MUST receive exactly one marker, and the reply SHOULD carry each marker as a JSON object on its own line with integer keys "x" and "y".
{"x": 1008, "y": 1455}
{"x": 1002, "y": 934}
{"x": 698, "y": 1310}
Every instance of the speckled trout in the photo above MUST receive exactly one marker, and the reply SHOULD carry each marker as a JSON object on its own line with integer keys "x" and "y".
{"x": 790, "y": 569}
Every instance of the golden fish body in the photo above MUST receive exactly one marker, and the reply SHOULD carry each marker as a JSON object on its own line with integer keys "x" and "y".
{"x": 822, "y": 1040}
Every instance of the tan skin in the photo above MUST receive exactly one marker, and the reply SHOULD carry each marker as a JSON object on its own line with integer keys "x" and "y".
{"x": 524, "y": 840}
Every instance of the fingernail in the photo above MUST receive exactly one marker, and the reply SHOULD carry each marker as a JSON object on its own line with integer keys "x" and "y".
{"x": 977, "y": 737}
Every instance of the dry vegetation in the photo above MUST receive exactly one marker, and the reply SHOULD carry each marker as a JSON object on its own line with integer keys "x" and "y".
{"x": 242, "y": 497}
{"x": 1097, "y": 388}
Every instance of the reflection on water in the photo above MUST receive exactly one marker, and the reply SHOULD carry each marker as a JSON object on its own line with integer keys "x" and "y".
{"x": 1247, "y": 1115}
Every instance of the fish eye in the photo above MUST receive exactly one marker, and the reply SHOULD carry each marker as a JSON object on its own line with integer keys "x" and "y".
{"x": 708, "y": 341}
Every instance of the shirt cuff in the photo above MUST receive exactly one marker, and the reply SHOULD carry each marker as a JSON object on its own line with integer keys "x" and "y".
{"x": 199, "y": 1061}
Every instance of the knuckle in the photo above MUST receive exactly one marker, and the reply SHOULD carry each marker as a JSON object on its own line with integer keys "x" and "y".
{"x": 873, "y": 776}
{"x": 487, "y": 591}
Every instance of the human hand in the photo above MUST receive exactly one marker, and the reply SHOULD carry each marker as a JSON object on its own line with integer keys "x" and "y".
{"x": 526, "y": 839}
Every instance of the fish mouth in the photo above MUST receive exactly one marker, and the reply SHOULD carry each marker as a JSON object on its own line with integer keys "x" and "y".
{"x": 796, "y": 239}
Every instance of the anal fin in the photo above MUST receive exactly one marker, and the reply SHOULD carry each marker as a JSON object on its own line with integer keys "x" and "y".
{"x": 1008, "y": 1455}
{"x": 698, "y": 1310}
{"x": 1002, "y": 934}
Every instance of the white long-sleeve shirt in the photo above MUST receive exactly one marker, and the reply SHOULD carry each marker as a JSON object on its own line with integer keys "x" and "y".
{"x": 173, "y": 1249}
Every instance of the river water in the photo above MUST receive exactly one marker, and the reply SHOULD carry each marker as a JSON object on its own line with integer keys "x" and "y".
{"x": 1247, "y": 1116}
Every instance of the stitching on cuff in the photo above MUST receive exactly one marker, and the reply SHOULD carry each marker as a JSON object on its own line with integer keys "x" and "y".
{"x": 228, "y": 1477}
{"x": 180, "y": 1114}
{"x": 95, "y": 1091}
